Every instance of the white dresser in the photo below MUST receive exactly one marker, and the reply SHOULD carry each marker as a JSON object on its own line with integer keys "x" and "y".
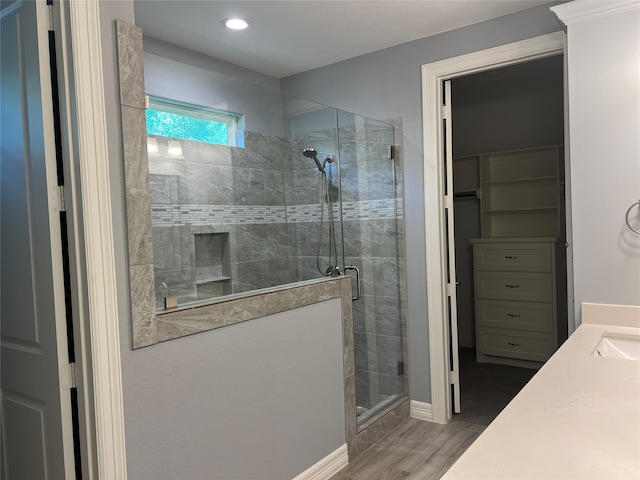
{"x": 515, "y": 300}
{"x": 514, "y": 263}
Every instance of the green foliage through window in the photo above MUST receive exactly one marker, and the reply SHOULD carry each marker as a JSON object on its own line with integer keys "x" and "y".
{"x": 167, "y": 119}
{"x": 187, "y": 128}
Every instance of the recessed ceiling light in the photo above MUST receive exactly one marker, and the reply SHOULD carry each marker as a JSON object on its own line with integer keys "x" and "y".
{"x": 236, "y": 23}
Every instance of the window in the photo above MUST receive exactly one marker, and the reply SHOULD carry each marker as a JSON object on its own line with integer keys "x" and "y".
{"x": 190, "y": 122}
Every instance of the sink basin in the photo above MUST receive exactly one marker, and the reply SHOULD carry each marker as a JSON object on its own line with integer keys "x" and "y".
{"x": 619, "y": 346}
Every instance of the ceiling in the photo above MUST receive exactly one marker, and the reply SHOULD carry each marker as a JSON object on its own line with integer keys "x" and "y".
{"x": 289, "y": 37}
{"x": 518, "y": 79}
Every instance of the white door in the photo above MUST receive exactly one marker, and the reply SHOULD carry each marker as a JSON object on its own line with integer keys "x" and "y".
{"x": 37, "y": 432}
{"x": 452, "y": 309}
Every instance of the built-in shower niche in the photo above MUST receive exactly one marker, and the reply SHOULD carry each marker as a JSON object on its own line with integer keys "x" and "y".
{"x": 212, "y": 265}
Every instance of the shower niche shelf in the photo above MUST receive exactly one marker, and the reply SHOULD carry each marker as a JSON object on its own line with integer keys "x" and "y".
{"x": 213, "y": 265}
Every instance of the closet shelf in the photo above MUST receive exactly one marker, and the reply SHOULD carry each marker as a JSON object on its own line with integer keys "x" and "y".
{"x": 516, "y": 210}
{"x": 520, "y": 193}
{"x": 523, "y": 180}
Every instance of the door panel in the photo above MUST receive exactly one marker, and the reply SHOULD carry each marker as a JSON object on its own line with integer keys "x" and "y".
{"x": 36, "y": 413}
{"x": 452, "y": 306}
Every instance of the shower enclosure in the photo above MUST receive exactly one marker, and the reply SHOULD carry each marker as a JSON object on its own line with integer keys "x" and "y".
{"x": 292, "y": 191}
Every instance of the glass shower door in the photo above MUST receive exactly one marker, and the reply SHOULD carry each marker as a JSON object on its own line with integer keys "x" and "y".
{"x": 371, "y": 219}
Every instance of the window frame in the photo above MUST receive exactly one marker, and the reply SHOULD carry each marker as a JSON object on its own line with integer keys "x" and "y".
{"x": 232, "y": 120}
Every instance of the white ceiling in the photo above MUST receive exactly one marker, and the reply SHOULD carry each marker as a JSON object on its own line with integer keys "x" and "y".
{"x": 289, "y": 37}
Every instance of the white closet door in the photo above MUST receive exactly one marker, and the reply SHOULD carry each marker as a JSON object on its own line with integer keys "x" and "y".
{"x": 452, "y": 309}
{"x": 37, "y": 435}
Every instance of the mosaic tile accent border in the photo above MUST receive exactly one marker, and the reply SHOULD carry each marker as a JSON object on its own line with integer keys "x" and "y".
{"x": 373, "y": 209}
{"x": 163, "y": 215}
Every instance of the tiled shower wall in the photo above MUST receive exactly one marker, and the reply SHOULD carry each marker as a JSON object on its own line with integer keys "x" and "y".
{"x": 237, "y": 193}
{"x": 264, "y": 200}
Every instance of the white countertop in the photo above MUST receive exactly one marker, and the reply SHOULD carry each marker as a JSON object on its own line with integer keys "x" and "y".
{"x": 578, "y": 417}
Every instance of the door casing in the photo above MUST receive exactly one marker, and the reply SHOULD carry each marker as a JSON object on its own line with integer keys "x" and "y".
{"x": 433, "y": 76}
{"x": 98, "y": 341}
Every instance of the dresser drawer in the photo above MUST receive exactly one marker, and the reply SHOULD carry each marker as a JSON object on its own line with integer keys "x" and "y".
{"x": 533, "y": 317}
{"x": 513, "y": 257}
{"x": 528, "y": 287}
{"x": 534, "y": 346}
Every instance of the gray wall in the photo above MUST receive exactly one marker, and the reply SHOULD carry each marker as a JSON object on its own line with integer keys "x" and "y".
{"x": 249, "y": 401}
{"x": 246, "y": 401}
{"x": 604, "y": 112}
{"x": 386, "y": 84}
{"x": 170, "y": 73}
{"x": 167, "y": 50}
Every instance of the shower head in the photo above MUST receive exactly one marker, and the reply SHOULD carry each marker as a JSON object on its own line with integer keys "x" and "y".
{"x": 313, "y": 154}
{"x": 310, "y": 152}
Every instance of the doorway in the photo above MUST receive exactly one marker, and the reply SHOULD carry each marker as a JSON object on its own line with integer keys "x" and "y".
{"x": 506, "y": 118}
{"x": 443, "y": 351}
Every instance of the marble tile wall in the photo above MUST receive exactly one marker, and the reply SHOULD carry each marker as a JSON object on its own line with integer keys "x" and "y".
{"x": 139, "y": 230}
{"x": 217, "y": 190}
{"x": 270, "y": 215}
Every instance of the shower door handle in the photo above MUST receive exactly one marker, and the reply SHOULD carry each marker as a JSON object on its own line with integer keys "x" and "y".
{"x": 357, "y": 270}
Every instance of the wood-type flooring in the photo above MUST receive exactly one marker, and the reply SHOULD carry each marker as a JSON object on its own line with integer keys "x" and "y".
{"x": 424, "y": 450}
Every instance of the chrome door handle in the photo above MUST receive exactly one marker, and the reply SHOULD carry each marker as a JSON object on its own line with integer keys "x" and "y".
{"x": 357, "y": 270}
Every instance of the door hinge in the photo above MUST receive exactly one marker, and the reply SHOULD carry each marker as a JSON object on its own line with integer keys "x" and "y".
{"x": 56, "y": 198}
{"x": 453, "y": 377}
{"x": 392, "y": 152}
{"x": 400, "y": 367}
{"x": 450, "y": 288}
{"x": 446, "y": 112}
{"x": 68, "y": 376}
{"x": 448, "y": 202}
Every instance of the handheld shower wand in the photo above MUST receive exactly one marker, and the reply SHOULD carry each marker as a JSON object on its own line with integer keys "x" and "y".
{"x": 313, "y": 154}
{"x": 325, "y": 182}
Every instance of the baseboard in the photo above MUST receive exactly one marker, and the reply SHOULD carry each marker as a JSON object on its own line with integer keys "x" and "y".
{"x": 327, "y": 467}
{"x": 421, "y": 411}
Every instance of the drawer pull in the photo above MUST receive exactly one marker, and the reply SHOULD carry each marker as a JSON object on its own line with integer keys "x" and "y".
{"x": 511, "y": 257}
{"x": 512, "y": 286}
{"x": 513, "y": 315}
{"x": 514, "y": 344}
